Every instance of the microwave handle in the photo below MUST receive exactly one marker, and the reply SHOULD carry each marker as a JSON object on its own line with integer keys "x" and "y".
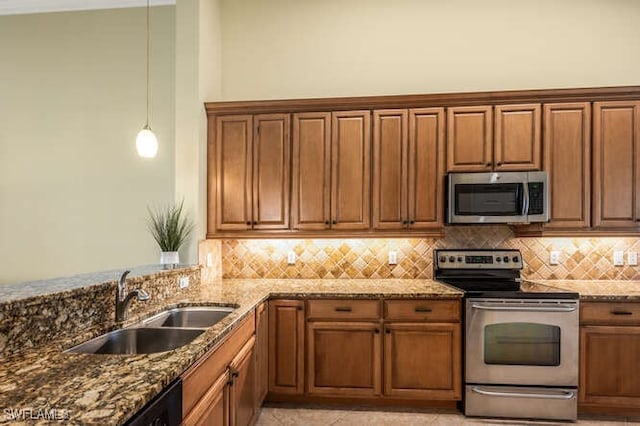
{"x": 525, "y": 198}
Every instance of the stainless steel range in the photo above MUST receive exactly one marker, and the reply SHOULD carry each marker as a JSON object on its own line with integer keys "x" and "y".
{"x": 521, "y": 347}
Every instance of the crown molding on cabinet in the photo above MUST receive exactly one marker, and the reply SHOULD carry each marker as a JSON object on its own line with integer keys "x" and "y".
{"x": 22, "y": 7}
{"x": 424, "y": 101}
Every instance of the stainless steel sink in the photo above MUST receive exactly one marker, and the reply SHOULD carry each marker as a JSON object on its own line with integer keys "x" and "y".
{"x": 189, "y": 317}
{"x": 138, "y": 341}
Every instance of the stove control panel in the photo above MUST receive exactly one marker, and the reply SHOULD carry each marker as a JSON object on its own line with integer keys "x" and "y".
{"x": 477, "y": 259}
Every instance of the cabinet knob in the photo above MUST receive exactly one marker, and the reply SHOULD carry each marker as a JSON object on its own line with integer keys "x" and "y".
{"x": 405, "y": 222}
{"x": 255, "y": 223}
{"x": 326, "y": 222}
{"x": 411, "y": 222}
{"x": 499, "y": 163}
{"x": 299, "y": 308}
{"x": 388, "y": 331}
{"x": 376, "y": 331}
{"x": 334, "y": 222}
{"x": 230, "y": 382}
{"x": 248, "y": 223}
{"x": 488, "y": 164}
{"x": 235, "y": 374}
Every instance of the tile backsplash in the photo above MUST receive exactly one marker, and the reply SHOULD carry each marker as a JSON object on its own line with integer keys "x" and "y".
{"x": 580, "y": 258}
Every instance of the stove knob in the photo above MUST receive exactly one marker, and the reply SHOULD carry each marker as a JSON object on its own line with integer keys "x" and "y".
{"x": 452, "y": 259}
{"x": 459, "y": 258}
{"x": 498, "y": 259}
{"x": 443, "y": 259}
{"x": 506, "y": 259}
{"x": 516, "y": 259}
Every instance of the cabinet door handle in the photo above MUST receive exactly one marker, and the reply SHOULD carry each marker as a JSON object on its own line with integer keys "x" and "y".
{"x": 488, "y": 164}
{"x": 230, "y": 382}
{"x": 618, "y": 312}
{"x": 343, "y": 309}
{"x": 255, "y": 223}
{"x": 299, "y": 308}
{"x": 235, "y": 374}
{"x": 499, "y": 163}
{"x": 248, "y": 223}
{"x": 423, "y": 309}
{"x": 387, "y": 330}
{"x": 334, "y": 222}
{"x": 326, "y": 222}
{"x": 411, "y": 222}
{"x": 376, "y": 331}
{"x": 405, "y": 222}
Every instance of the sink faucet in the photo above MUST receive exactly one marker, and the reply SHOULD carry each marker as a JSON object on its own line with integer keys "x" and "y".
{"x": 123, "y": 299}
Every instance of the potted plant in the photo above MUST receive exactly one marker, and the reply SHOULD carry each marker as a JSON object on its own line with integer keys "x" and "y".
{"x": 170, "y": 228}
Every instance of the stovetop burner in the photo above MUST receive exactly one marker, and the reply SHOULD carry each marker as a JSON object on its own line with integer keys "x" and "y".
{"x": 487, "y": 273}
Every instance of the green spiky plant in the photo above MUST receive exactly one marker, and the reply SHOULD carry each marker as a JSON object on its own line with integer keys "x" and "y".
{"x": 169, "y": 226}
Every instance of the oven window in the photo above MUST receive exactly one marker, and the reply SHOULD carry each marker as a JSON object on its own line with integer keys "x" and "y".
{"x": 497, "y": 199}
{"x": 522, "y": 343}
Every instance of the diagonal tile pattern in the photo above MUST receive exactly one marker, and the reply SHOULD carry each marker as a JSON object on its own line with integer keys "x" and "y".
{"x": 581, "y": 258}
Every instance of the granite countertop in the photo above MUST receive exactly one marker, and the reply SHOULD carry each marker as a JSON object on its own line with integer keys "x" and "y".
{"x": 596, "y": 290}
{"x": 108, "y": 389}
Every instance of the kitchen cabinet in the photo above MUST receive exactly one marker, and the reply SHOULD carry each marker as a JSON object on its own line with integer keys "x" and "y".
{"x": 262, "y": 353}
{"x": 517, "y": 142}
{"x": 609, "y": 354}
{"x": 344, "y": 358}
{"x": 567, "y": 160}
{"x": 311, "y": 189}
{"x": 408, "y": 168}
{"x": 331, "y": 171}
{"x": 207, "y": 386}
{"x": 422, "y": 360}
{"x": 422, "y": 349}
{"x": 242, "y": 400}
{"x": 616, "y": 164}
{"x": 470, "y": 139}
{"x": 286, "y": 346}
{"x": 475, "y": 143}
{"x": 252, "y": 172}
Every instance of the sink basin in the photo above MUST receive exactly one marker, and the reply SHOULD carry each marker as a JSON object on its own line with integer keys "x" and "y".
{"x": 138, "y": 341}
{"x": 189, "y": 317}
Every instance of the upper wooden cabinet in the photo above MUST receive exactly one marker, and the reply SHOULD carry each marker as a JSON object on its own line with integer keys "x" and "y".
{"x": 616, "y": 164}
{"x": 517, "y": 137}
{"x": 252, "y": 172}
{"x": 408, "y": 168}
{"x": 311, "y": 189}
{"x": 480, "y": 139}
{"x": 567, "y": 160}
{"x": 350, "y": 170}
{"x": 469, "y": 139}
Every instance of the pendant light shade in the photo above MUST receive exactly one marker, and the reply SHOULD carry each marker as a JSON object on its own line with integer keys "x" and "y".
{"x": 146, "y": 141}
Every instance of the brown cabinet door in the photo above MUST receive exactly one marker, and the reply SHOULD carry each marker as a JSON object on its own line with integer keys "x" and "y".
{"x": 610, "y": 366}
{"x": 567, "y": 160}
{"x": 616, "y": 129}
{"x": 262, "y": 353}
{"x": 213, "y": 408}
{"x": 469, "y": 139}
{"x": 344, "y": 358}
{"x": 286, "y": 346}
{"x": 271, "y": 166}
{"x": 422, "y": 361}
{"x": 311, "y": 189}
{"x": 517, "y": 137}
{"x": 242, "y": 388}
{"x": 234, "y": 145}
{"x": 426, "y": 168}
{"x": 390, "y": 143}
{"x": 351, "y": 168}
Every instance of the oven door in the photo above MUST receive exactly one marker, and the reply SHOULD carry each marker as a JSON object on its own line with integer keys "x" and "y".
{"x": 522, "y": 342}
{"x": 488, "y": 197}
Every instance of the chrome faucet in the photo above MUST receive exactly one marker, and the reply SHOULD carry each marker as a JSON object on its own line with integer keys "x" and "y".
{"x": 123, "y": 299}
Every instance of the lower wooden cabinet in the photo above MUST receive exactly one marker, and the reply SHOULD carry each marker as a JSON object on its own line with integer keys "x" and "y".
{"x": 242, "y": 399}
{"x": 422, "y": 360}
{"x": 286, "y": 346}
{"x": 262, "y": 353}
{"x": 344, "y": 358}
{"x": 213, "y": 408}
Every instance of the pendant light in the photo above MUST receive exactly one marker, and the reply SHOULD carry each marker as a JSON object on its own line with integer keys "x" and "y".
{"x": 146, "y": 141}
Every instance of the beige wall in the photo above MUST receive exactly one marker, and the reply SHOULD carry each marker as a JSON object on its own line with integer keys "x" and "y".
{"x": 73, "y": 192}
{"x": 319, "y": 48}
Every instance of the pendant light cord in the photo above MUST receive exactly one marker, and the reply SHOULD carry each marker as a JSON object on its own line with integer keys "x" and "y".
{"x": 148, "y": 63}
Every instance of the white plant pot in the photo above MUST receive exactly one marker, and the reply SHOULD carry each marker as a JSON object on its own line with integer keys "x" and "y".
{"x": 169, "y": 258}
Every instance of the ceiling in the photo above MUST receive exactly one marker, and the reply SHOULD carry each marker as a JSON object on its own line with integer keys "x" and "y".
{"x": 17, "y": 7}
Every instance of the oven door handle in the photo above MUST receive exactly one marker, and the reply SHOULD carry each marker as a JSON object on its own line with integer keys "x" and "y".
{"x": 559, "y": 395}
{"x": 558, "y": 308}
{"x": 525, "y": 200}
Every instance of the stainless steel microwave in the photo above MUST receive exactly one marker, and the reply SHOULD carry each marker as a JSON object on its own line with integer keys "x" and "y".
{"x": 508, "y": 197}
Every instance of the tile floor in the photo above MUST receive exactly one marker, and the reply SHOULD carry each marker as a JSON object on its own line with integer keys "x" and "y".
{"x": 317, "y": 416}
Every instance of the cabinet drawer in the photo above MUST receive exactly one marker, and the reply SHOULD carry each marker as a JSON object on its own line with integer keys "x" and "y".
{"x": 610, "y": 313}
{"x": 422, "y": 310}
{"x": 344, "y": 309}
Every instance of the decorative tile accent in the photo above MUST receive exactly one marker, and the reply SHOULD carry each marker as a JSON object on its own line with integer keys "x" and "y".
{"x": 581, "y": 258}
